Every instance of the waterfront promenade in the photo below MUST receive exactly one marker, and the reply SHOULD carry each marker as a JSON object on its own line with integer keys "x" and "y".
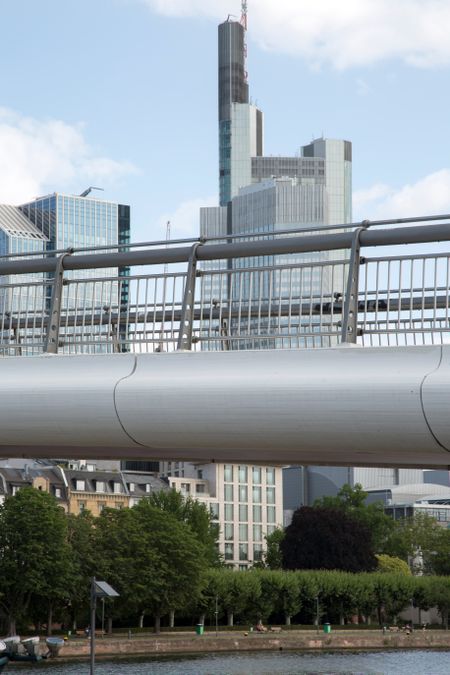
{"x": 188, "y": 642}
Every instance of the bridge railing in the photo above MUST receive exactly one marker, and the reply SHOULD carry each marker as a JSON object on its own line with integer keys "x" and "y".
{"x": 258, "y": 291}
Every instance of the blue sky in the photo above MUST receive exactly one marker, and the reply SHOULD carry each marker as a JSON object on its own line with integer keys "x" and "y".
{"x": 123, "y": 94}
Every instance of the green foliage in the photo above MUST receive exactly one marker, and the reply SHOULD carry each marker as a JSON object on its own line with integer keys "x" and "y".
{"x": 327, "y": 538}
{"x": 372, "y": 516}
{"x": 388, "y": 563}
{"x": 35, "y": 559}
{"x": 196, "y": 515}
{"x": 272, "y": 558}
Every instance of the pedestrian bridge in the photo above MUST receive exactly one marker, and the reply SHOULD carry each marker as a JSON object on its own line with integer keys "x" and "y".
{"x": 386, "y": 406}
{"x": 241, "y": 350}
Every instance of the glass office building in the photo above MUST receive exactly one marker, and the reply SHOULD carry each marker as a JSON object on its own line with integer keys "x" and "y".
{"x": 80, "y": 222}
{"x": 18, "y": 236}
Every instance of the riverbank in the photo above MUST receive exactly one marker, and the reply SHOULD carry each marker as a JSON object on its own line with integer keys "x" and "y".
{"x": 190, "y": 643}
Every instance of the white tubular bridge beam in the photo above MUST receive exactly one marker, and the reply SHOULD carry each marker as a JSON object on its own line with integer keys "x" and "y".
{"x": 341, "y": 406}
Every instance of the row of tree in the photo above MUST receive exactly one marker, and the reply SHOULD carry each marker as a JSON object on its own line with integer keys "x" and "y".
{"x": 156, "y": 555}
{"x": 162, "y": 558}
{"x": 334, "y": 596}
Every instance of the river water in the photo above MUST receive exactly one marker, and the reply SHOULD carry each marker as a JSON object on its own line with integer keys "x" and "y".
{"x": 250, "y": 663}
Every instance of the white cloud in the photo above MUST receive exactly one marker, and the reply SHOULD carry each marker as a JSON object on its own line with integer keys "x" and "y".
{"x": 185, "y": 221}
{"x": 39, "y": 156}
{"x": 343, "y": 34}
{"x": 428, "y": 196}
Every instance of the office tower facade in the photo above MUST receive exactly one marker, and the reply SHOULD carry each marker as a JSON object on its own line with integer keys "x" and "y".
{"x": 61, "y": 222}
{"x": 240, "y": 122}
{"x": 80, "y": 222}
{"x": 18, "y": 236}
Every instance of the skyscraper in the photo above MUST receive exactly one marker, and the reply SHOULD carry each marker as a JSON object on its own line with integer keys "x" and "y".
{"x": 240, "y": 122}
{"x": 60, "y": 222}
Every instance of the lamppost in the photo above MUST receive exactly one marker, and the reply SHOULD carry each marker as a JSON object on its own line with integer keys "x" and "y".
{"x": 99, "y": 589}
{"x": 217, "y": 614}
{"x": 317, "y": 614}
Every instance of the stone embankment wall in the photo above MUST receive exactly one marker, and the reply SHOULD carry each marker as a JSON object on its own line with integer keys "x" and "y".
{"x": 183, "y": 643}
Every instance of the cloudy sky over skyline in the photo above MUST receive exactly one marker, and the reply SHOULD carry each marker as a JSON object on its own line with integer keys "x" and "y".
{"x": 122, "y": 94}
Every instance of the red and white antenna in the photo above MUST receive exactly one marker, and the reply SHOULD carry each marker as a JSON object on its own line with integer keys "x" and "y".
{"x": 244, "y": 13}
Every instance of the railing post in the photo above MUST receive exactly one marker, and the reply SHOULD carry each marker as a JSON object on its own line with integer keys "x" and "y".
{"x": 51, "y": 343}
{"x": 349, "y": 331}
{"x": 187, "y": 310}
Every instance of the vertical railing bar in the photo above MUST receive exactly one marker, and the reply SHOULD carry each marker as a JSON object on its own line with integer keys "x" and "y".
{"x": 187, "y": 310}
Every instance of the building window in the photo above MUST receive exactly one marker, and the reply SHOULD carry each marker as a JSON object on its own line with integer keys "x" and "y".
{"x": 271, "y": 514}
{"x": 243, "y": 568}
{"x": 185, "y": 487}
{"x": 243, "y": 493}
{"x": 257, "y": 514}
{"x": 229, "y": 551}
{"x": 257, "y": 552}
{"x": 243, "y": 551}
{"x": 214, "y": 509}
{"x": 243, "y": 513}
{"x": 200, "y": 474}
{"x": 257, "y": 532}
{"x": 200, "y": 488}
{"x": 101, "y": 507}
{"x": 58, "y": 493}
{"x": 229, "y": 531}
{"x": 228, "y": 473}
{"x": 228, "y": 493}
{"x": 257, "y": 475}
{"x": 15, "y": 490}
{"x": 228, "y": 512}
{"x": 242, "y": 474}
{"x": 243, "y": 532}
{"x": 147, "y": 487}
{"x": 131, "y": 487}
{"x": 270, "y": 495}
{"x": 82, "y": 506}
{"x": 100, "y": 486}
{"x": 117, "y": 488}
{"x": 270, "y": 529}
{"x": 80, "y": 485}
{"x": 257, "y": 494}
{"x": 270, "y": 475}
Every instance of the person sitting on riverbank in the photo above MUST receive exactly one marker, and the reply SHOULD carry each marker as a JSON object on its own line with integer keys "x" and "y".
{"x": 260, "y": 627}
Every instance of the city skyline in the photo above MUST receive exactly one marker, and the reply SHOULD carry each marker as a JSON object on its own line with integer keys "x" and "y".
{"x": 124, "y": 91}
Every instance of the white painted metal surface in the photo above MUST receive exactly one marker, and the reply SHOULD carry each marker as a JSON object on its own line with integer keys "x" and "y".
{"x": 341, "y": 406}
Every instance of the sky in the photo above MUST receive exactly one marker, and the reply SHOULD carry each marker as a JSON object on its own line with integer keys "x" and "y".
{"x": 122, "y": 94}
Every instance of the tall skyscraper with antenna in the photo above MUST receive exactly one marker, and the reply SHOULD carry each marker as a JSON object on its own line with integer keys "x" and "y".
{"x": 240, "y": 122}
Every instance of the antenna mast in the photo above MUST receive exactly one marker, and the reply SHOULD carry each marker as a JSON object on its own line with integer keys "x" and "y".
{"x": 244, "y": 11}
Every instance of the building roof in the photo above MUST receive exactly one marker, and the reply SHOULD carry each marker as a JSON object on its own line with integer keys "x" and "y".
{"x": 141, "y": 480}
{"x": 414, "y": 492}
{"x": 91, "y": 477}
{"x": 15, "y": 224}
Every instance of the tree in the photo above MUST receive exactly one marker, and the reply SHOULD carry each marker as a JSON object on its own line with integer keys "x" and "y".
{"x": 179, "y": 563}
{"x": 196, "y": 515}
{"x": 272, "y": 558}
{"x": 239, "y": 593}
{"x": 388, "y": 564}
{"x": 417, "y": 540}
{"x": 326, "y": 538}
{"x": 85, "y": 557}
{"x": 353, "y": 501}
{"x": 34, "y": 553}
